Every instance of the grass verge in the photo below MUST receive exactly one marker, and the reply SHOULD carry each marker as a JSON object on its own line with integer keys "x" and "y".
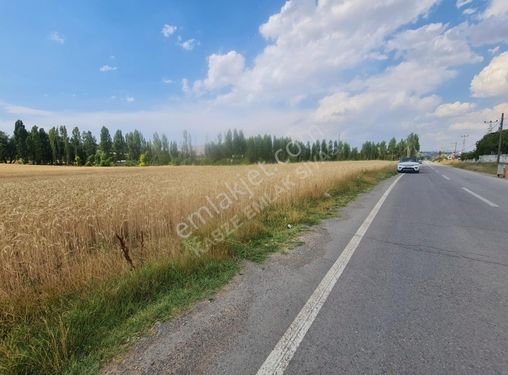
{"x": 488, "y": 168}
{"x": 76, "y": 334}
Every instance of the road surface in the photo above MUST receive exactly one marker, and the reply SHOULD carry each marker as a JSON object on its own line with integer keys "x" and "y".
{"x": 421, "y": 288}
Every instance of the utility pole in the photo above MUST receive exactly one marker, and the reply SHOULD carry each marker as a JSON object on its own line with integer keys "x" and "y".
{"x": 500, "y": 138}
{"x": 454, "y": 149}
{"x": 491, "y": 125}
{"x": 500, "y": 167}
{"x": 464, "y": 142}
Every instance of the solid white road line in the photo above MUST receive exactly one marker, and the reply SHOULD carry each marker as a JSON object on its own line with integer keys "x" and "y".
{"x": 480, "y": 197}
{"x": 448, "y": 178}
{"x": 281, "y": 355}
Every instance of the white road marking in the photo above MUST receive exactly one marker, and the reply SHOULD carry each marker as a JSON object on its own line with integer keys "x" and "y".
{"x": 448, "y": 178}
{"x": 281, "y": 355}
{"x": 480, "y": 197}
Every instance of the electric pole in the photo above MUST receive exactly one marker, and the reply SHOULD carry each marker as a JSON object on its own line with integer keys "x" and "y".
{"x": 464, "y": 142}
{"x": 491, "y": 125}
{"x": 500, "y": 139}
{"x": 454, "y": 149}
{"x": 500, "y": 167}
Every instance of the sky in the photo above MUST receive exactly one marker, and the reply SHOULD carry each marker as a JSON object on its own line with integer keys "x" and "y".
{"x": 354, "y": 69}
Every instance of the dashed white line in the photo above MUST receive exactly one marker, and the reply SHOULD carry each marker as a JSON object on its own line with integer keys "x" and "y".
{"x": 480, "y": 197}
{"x": 278, "y": 360}
{"x": 446, "y": 177}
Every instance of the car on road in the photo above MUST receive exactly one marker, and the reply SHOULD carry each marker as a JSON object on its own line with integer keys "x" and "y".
{"x": 408, "y": 165}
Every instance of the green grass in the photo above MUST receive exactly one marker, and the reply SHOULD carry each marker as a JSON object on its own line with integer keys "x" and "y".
{"x": 77, "y": 334}
{"x": 489, "y": 168}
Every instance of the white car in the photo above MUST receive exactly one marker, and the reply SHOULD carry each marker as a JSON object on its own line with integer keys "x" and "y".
{"x": 408, "y": 165}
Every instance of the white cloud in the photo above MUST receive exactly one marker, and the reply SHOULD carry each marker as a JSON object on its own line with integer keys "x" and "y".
{"x": 496, "y": 8}
{"x": 23, "y": 110}
{"x": 310, "y": 43}
{"x": 493, "y": 79}
{"x": 453, "y": 109}
{"x": 167, "y": 81}
{"x": 474, "y": 120}
{"x": 168, "y": 30}
{"x": 469, "y": 11}
{"x": 434, "y": 44}
{"x": 188, "y": 44}
{"x": 321, "y": 66}
{"x": 185, "y": 86}
{"x": 56, "y": 37}
{"x": 494, "y": 50}
{"x": 107, "y": 68}
{"x": 170, "y": 120}
{"x": 130, "y": 99}
{"x": 223, "y": 70}
{"x": 461, "y": 3}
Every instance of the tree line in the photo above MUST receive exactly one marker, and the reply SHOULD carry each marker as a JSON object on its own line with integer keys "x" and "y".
{"x": 488, "y": 145}
{"x": 233, "y": 147}
{"x": 58, "y": 147}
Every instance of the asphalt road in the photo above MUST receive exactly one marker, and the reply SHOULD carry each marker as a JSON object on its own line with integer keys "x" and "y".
{"x": 425, "y": 292}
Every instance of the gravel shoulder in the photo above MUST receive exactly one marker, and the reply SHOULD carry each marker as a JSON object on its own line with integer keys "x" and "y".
{"x": 234, "y": 331}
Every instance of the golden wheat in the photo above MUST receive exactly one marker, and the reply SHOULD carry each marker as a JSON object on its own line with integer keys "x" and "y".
{"x": 61, "y": 228}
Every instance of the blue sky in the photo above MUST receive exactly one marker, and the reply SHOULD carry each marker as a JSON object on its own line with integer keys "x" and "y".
{"x": 303, "y": 68}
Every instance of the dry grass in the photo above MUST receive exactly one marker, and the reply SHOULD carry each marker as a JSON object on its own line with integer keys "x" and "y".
{"x": 488, "y": 168}
{"x": 59, "y": 226}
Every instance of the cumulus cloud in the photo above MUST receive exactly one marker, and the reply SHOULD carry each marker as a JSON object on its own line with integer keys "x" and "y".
{"x": 223, "y": 70}
{"x": 309, "y": 43}
{"x": 56, "y": 37}
{"x": 107, "y": 68}
{"x": 130, "y": 99}
{"x": 167, "y": 81}
{"x": 370, "y": 70}
{"x": 493, "y": 79}
{"x": 168, "y": 30}
{"x": 496, "y": 8}
{"x": 434, "y": 44}
{"x": 453, "y": 109}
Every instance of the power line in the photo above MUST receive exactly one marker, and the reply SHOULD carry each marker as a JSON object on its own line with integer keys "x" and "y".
{"x": 464, "y": 142}
{"x": 491, "y": 125}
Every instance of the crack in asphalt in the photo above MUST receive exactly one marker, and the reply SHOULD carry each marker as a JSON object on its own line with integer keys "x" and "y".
{"x": 438, "y": 251}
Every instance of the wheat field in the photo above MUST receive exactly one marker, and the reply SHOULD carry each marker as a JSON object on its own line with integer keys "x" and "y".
{"x": 62, "y": 228}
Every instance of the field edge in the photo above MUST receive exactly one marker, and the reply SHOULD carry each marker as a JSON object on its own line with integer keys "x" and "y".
{"x": 80, "y": 335}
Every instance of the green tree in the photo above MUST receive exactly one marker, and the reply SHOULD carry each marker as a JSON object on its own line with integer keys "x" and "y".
{"x": 156, "y": 149}
{"x": 135, "y": 143}
{"x": 45, "y": 146}
{"x": 20, "y": 141}
{"x": 65, "y": 146}
{"x": 54, "y": 145}
{"x": 382, "y": 150}
{"x": 489, "y": 144}
{"x": 166, "y": 156}
{"x": 4, "y": 144}
{"x": 412, "y": 145}
{"x": 105, "y": 143}
{"x": 119, "y": 146}
{"x": 35, "y": 146}
{"x": 392, "y": 149}
{"x": 77, "y": 146}
{"x": 89, "y": 147}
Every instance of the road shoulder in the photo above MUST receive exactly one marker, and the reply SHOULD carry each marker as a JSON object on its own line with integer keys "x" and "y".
{"x": 235, "y": 331}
